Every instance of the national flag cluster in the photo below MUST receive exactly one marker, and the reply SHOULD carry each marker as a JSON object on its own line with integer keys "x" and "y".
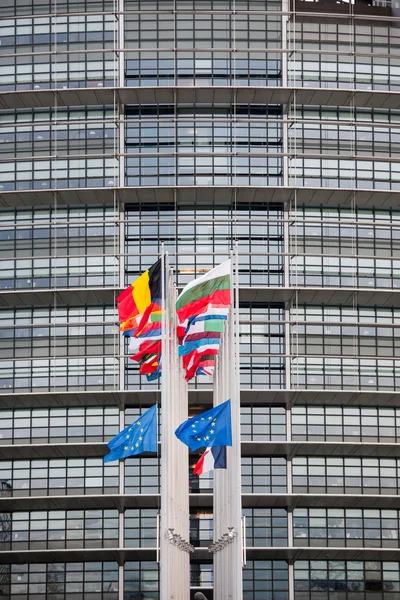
{"x": 202, "y": 309}
{"x": 140, "y": 314}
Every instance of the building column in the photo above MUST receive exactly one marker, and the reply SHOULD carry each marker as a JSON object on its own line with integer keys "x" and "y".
{"x": 291, "y": 582}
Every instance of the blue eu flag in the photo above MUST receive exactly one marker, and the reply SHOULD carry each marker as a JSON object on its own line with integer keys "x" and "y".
{"x": 210, "y": 428}
{"x": 140, "y": 436}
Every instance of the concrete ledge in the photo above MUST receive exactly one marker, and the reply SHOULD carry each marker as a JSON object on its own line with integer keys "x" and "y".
{"x": 197, "y": 94}
{"x": 273, "y": 294}
{"x": 205, "y": 195}
{"x": 248, "y": 397}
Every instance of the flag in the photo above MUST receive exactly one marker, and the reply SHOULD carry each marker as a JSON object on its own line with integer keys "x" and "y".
{"x": 200, "y": 361}
{"x": 202, "y": 310}
{"x": 155, "y": 306}
{"x": 140, "y": 315}
{"x": 211, "y": 428}
{"x": 213, "y": 288}
{"x": 217, "y": 316}
{"x": 213, "y": 458}
{"x": 140, "y": 436}
{"x": 206, "y": 343}
{"x": 134, "y": 300}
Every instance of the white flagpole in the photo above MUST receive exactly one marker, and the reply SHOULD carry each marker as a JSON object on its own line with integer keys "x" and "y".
{"x": 228, "y": 578}
{"x": 174, "y": 526}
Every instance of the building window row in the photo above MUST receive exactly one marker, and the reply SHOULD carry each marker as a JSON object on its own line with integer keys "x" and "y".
{"x": 60, "y": 580}
{"x": 337, "y": 475}
{"x": 51, "y": 477}
{"x": 55, "y": 477}
{"x": 265, "y": 580}
{"x": 347, "y": 580}
{"x": 327, "y": 337}
{"x": 68, "y": 71}
{"x": 189, "y": 29}
{"x": 339, "y": 248}
{"x": 265, "y": 527}
{"x": 54, "y": 425}
{"x": 369, "y": 528}
{"x": 339, "y": 130}
{"x": 346, "y": 424}
{"x": 332, "y": 347}
{"x": 199, "y": 239}
{"x": 334, "y": 68}
{"x": 44, "y": 174}
{"x": 57, "y": 337}
{"x": 48, "y": 248}
{"x": 345, "y": 373}
{"x": 169, "y": 145}
{"x": 322, "y": 580}
{"x": 46, "y": 7}
{"x": 38, "y": 530}
{"x": 203, "y": 68}
{"x": 260, "y": 474}
{"x": 67, "y": 132}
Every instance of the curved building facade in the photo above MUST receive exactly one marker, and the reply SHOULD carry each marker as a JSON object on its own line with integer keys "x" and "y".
{"x": 201, "y": 124}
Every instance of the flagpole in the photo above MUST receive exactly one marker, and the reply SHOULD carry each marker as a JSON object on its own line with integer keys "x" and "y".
{"x": 237, "y": 472}
{"x": 228, "y": 578}
{"x": 174, "y": 518}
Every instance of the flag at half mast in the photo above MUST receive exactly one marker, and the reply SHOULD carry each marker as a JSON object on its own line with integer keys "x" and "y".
{"x": 202, "y": 310}
{"x": 140, "y": 315}
{"x": 139, "y": 437}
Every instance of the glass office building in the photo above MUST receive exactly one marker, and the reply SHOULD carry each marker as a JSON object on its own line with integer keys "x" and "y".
{"x": 201, "y": 124}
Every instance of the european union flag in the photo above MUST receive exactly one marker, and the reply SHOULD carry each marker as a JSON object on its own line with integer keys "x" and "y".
{"x": 210, "y": 428}
{"x": 140, "y": 436}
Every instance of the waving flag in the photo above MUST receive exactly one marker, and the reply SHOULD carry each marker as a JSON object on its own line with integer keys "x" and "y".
{"x": 210, "y": 428}
{"x": 213, "y": 458}
{"x": 140, "y": 436}
{"x": 202, "y": 310}
{"x": 140, "y": 315}
{"x": 213, "y": 288}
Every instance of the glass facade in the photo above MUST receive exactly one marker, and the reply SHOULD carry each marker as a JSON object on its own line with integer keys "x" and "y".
{"x": 202, "y": 125}
{"x": 60, "y": 580}
{"x": 346, "y": 579}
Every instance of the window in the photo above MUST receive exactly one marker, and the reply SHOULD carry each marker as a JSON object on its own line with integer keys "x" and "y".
{"x": 325, "y": 580}
{"x": 337, "y": 475}
{"x": 369, "y": 528}
{"x": 50, "y": 477}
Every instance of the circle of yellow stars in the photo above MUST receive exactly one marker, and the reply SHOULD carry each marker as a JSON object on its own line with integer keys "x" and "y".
{"x": 140, "y": 439}
{"x": 195, "y": 427}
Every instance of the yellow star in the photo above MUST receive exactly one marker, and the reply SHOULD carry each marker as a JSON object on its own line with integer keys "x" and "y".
{"x": 126, "y": 448}
{"x": 137, "y": 445}
{"x": 209, "y": 418}
{"x": 206, "y": 438}
{"x": 193, "y": 425}
{"x": 211, "y": 430}
{"x": 140, "y": 439}
{"x": 202, "y": 419}
{"x": 138, "y": 423}
{"x": 141, "y": 431}
{"x": 198, "y": 439}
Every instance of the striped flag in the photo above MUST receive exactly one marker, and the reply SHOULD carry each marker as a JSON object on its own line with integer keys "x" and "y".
{"x": 213, "y": 288}
{"x": 202, "y": 310}
{"x": 140, "y": 314}
{"x": 213, "y": 458}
